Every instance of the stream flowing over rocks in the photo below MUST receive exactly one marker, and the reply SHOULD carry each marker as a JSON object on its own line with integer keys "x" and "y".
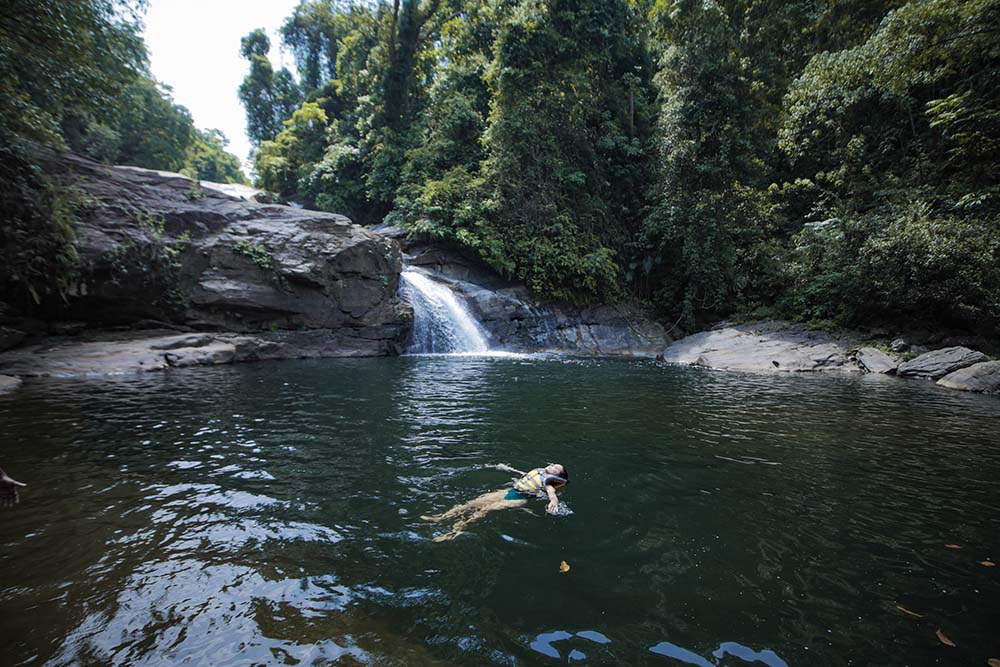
{"x": 515, "y": 321}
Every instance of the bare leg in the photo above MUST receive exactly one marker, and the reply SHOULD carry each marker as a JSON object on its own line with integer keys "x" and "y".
{"x": 469, "y": 507}
{"x": 481, "y": 506}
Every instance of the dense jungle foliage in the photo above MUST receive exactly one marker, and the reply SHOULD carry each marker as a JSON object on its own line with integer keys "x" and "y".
{"x": 75, "y": 76}
{"x": 825, "y": 160}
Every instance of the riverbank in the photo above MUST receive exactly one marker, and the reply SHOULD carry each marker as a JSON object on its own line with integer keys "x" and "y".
{"x": 755, "y": 347}
{"x": 782, "y": 347}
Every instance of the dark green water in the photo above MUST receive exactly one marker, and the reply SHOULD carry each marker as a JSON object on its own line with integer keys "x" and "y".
{"x": 269, "y": 514}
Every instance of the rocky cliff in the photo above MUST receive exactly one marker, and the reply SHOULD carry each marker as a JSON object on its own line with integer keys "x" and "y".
{"x": 157, "y": 246}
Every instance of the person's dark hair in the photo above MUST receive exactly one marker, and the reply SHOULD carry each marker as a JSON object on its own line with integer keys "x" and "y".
{"x": 565, "y": 474}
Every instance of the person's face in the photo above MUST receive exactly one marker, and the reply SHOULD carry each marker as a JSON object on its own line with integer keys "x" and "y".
{"x": 554, "y": 469}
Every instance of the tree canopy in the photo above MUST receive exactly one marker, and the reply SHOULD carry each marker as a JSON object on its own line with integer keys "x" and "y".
{"x": 74, "y": 75}
{"x": 824, "y": 160}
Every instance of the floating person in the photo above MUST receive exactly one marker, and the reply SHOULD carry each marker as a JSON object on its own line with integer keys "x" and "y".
{"x": 8, "y": 490}
{"x": 539, "y": 482}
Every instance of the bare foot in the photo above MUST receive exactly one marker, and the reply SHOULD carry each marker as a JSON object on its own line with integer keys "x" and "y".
{"x": 447, "y": 537}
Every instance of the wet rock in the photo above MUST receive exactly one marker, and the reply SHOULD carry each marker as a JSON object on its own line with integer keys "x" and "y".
{"x": 114, "y": 357}
{"x": 876, "y": 361}
{"x": 67, "y": 328}
{"x": 195, "y": 340}
{"x": 763, "y": 346}
{"x": 938, "y": 363}
{"x": 117, "y": 355}
{"x": 8, "y": 383}
{"x": 899, "y": 345}
{"x": 982, "y": 377}
{"x": 514, "y": 320}
{"x": 10, "y": 337}
{"x": 211, "y": 354}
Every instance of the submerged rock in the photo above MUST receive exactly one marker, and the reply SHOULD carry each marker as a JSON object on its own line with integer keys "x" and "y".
{"x": 938, "y": 363}
{"x": 876, "y": 361}
{"x": 982, "y": 377}
{"x": 762, "y": 346}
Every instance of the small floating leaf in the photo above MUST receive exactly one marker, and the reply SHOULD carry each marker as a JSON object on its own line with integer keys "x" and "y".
{"x": 953, "y": 546}
{"x": 988, "y": 563}
{"x": 910, "y": 613}
{"x": 564, "y": 566}
{"x": 944, "y": 638}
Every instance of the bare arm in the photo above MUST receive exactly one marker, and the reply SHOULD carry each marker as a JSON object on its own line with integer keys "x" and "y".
{"x": 553, "y": 500}
{"x": 504, "y": 466}
{"x": 8, "y": 490}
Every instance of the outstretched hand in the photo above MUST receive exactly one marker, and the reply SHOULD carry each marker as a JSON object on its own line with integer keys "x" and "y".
{"x": 552, "y": 507}
{"x": 8, "y": 490}
{"x": 504, "y": 467}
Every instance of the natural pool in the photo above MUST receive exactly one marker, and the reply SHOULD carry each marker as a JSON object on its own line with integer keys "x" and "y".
{"x": 269, "y": 514}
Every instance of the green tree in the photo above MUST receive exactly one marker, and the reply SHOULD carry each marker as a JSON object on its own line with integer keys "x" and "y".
{"x": 64, "y": 64}
{"x": 206, "y": 159}
{"x": 269, "y": 97}
{"x": 564, "y": 151}
{"x": 712, "y": 147}
{"x": 152, "y": 131}
{"x": 313, "y": 33}
{"x": 899, "y": 136}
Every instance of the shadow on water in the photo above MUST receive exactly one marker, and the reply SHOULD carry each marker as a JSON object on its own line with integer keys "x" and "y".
{"x": 269, "y": 514}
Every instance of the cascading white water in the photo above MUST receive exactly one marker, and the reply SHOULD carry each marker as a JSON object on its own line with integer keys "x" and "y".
{"x": 441, "y": 322}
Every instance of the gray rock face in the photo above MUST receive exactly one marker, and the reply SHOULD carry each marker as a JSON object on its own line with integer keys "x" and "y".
{"x": 515, "y": 321}
{"x": 10, "y": 337}
{"x": 938, "y": 363}
{"x": 8, "y": 383}
{"x": 71, "y": 358}
{"x": 982, "y": 377}
{"x": 153, "y": 246}
{"x": 876, "y": 361}
{"x": 762, "y": 346}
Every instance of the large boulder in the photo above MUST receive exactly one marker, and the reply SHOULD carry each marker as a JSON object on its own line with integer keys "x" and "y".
{"x": 874, "y": 360}
{"x": 157, "y": 246}
{"x": 982, "y": 377}
{"x": 938, "y": 363}
{"x": 763, "y": 346}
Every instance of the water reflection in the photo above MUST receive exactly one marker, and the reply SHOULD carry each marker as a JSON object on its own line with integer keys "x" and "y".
{"x": 744, "y": 653}
{"x": 268, "y": 514}
{"x": 544, "y": 644}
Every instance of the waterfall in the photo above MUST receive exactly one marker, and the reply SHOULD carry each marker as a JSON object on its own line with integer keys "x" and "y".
{"x": 441, "y": 322}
